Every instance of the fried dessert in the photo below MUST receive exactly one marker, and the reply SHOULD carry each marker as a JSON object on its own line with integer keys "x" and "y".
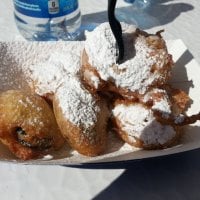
{"x": 136, "y": 124}
{"x": 87, "y": 93}
{"x": 155, "y": 121}
{"x": 27, "y": 124}
{"x": 146, "y": 63}
{"x": 82, "y": 117}
{"x": 46, "y": 76}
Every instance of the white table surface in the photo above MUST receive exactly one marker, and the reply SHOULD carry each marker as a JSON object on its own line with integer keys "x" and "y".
{"x": 180, "y": 19}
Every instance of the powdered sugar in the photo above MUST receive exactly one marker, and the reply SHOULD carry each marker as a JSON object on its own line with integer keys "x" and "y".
{"x": 135, "y": 72}
{"x": 43, "y": 64}
{"x": 49, "y": 66}
{"x": 162, "y": 106}
{"x": 139, "y": 122}
{"x": 47, "y": 157}
{"x": 10, "y": 73}
{"x": 77, "y": 104}
{"x": 95, "y": 81}
{"x": 46, "y": 76}
{"x": 70, "y": 61}
{"x": 160, "y": 100}
{"x": 35, "y": 119}
{"x": 101, "y": 46}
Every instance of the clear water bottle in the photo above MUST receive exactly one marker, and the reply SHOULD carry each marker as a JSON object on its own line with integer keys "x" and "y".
{"x": 44, "y": 20}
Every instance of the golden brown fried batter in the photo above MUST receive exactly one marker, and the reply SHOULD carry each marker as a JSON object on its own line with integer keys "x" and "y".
{"x": 135, "y": 124}
{"x": 146, "y": 64}
{"x": 27, "y": 124}
{"x": 177, "y": 120}
{"x": 82, "y": 118}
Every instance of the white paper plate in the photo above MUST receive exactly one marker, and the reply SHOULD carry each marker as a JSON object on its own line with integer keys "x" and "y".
{"x": 185, "y": 76}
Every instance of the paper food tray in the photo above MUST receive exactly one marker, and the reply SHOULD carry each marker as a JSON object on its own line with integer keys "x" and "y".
{"x": 185, "y": 76}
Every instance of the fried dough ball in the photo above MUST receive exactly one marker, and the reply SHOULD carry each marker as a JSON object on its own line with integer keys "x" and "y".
{"x": 135, "y": 124}
{"x": 46, "y": 76}
{"x": 155, "y": 121}
{"x": 146, "y": 63}
{"x": 82, "y": 118}
{"x": 27, "y": 124}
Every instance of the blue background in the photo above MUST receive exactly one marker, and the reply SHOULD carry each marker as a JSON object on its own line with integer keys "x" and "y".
{"x": 43, "y": 4}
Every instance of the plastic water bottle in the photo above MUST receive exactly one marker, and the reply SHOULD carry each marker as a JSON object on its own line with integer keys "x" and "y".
{"x": 43, "y": 20}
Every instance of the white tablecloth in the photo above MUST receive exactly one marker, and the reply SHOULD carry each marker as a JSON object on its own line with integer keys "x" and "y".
{"x": 180, "y": 19}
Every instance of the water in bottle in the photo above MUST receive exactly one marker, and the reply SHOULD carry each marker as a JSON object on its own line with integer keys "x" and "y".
{"x": 43, "y": 20}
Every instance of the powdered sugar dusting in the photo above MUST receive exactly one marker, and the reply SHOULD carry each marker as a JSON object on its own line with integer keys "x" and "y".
{"x": 46, "y": 76}
{"x": 24, "y": 102}
{"x": 164, "y": 107}
{"x": 77, "y": 104}
{"x": 47, "y": 157}
{"x": 139, "y": 122}
{"x": 49, "y": 73}
{"x": 10, "y": 73}
{"x": 160, "y": 100}
{"x": 95, "y": 80}
{"x": 42, "y": 64}
{"x": 135, "y": 72}
{"x": 100, "y": 46}
{"x": 70, "y": 61}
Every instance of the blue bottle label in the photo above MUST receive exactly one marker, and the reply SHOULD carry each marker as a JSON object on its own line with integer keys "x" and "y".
{"x": 45, "y": 8}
